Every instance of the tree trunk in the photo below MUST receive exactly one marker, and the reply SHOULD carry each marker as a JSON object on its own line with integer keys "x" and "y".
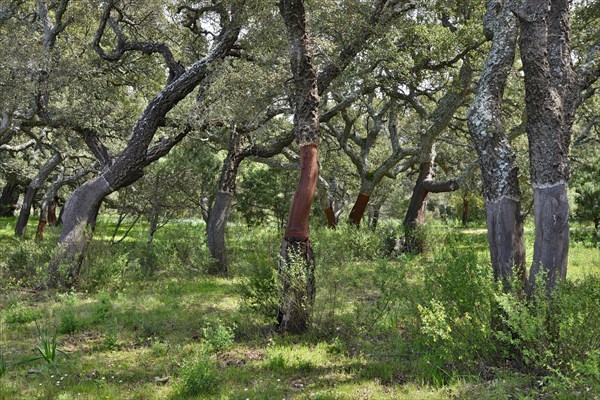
{"x": 375, "y": 218}
{"x": 417, "y": 207}
{"x": 34, "y": 186}
{"x": 219, "y": 214}
{"x": 551, "y": 97}
{"x": 25, "y": 211}
{"x": 296, "y": 264}
{"x": 496, "y": 157}
{"x": 326, "y": 202}
{"x": 9, "y": 197}
{"x": 82, "y": 208}
{"x": 358, "y": 210}
{"x": 551, "y": 247}
{"x": 360, "y": 205}
{"x": 79, "y": 221}
{"x": 52, "y": 220}
{"x": 465, "y": 211}
{"x": 215, "y": 230}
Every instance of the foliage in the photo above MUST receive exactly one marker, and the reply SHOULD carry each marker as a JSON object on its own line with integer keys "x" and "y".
{"x": 24, "y": 259}
{"x": 198, "y": 377}
{"x": 263, "y": 194}
{"x": 555, "y": 334}
{"x": 47, "y": 345}
{"x": 2, "y": 364}
{"x": 218, "y": 337}
{"x": 21, "y": 314}
{"x": 587, "y": 188}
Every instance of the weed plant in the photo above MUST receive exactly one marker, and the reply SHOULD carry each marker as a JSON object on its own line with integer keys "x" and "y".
{"x": 198, "y": 377}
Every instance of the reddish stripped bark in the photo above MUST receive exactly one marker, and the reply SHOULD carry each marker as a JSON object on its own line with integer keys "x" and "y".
{"x": 39, "y": 235}
{"x": 359, "y": 208}
{"x": 330, "y": 215}
{"x": 300, "y": 212}
{"x": 52, "y": 212}
{"x": 296, "y": 264}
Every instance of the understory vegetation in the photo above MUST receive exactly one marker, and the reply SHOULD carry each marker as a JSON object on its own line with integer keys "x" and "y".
{"x": 152, "y": 322}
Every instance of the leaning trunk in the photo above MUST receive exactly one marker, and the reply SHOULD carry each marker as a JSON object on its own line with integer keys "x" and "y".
{"x": 25, "y": 211}
{"x": 79, "y": 220}
{"x": 362, "y": 201}
{"x": 358, "y": 210}
{"x": 34, "y": 186}
{"x": 496, "y": 157}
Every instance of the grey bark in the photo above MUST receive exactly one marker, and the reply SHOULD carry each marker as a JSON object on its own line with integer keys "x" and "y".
{"x": 496, "y": 157}
{"x": 552, "y": 94}
{"x": 383, "y": 13}
{"x": 36, "y": 183}
{"x": 82, "y": 207}
{"x": 49, "y": 200}
{"x": 79, "y": 220}
{"x": 217, "y": 220}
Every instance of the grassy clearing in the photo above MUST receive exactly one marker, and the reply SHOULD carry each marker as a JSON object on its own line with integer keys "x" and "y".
{"x": 152, "y": 324}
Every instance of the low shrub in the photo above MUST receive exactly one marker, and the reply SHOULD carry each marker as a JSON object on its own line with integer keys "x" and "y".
{"x": 198, "y": 377}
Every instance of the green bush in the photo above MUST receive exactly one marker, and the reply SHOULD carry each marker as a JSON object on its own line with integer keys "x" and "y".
{"x": 26, "y": 262}
{"x": 198, "y": 377}
{"x": 102, "y": 308}
{"x": 21, "y": 314}
{"x": 218, "y": 337}
{"x": 258, "y": 288}
{"x": 557, "y": 334}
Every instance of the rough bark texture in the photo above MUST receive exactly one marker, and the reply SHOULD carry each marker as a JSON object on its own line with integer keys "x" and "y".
{"x": 496, "y": 157}
{"x": 34, "y": 186}
{"x": 82, "y": 207}
{"x": 296, "y": 264}
{"x": 551, "y": 96}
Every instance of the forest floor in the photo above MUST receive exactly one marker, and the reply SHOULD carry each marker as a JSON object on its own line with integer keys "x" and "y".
{"x": 153, "y": 324}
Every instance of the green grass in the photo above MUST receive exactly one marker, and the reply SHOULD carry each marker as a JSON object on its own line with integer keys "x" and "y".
{"x": 125, "y": 327}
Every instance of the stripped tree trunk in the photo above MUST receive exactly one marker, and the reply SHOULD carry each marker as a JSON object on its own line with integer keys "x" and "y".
{"x": 496, "y": 156}
{"x": 34, "y": 186}
{"x": 552, "y": 95}
{"x": 326, "y": 202}
{"x": 360, "y": 205}
{"x": 217, "y": 220}
{"x": 296, "y": 265}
